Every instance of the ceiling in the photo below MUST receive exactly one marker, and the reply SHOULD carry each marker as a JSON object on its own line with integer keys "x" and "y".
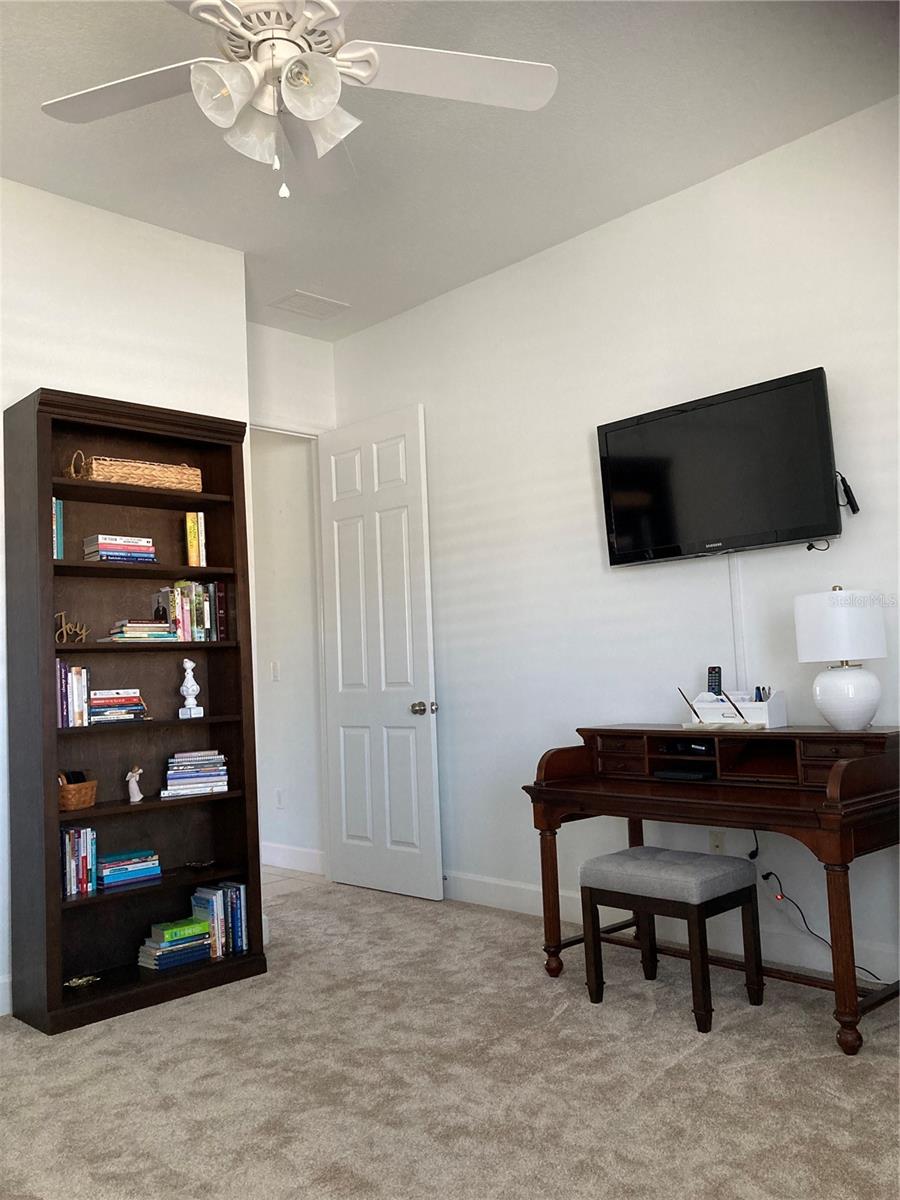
{"x": 653, "y": 97}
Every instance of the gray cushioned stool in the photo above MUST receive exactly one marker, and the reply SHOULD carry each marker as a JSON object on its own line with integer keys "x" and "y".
{"x": 651, "y": 882}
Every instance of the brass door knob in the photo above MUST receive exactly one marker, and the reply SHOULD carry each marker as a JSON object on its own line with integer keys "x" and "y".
{"x": 419, "y": 709}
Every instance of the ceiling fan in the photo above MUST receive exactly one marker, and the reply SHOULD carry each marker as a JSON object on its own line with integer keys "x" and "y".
{"x": 276, "y": 89}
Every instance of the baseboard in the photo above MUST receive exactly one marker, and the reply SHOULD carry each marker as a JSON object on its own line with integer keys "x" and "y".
{"x": 5, "y": 995}
{"x": 291, "y": 858}
{"x": 782, "y": 945}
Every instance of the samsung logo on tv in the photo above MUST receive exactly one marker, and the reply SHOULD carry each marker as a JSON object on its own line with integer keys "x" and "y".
{"x": 712, "y": 545}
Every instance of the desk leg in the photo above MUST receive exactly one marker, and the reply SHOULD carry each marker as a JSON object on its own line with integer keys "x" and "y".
{"x": 550, "y": 893}
{"x": 846, "y": 996}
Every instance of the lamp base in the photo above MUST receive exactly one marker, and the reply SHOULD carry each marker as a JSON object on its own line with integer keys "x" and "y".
{"x": 847, "y": 696}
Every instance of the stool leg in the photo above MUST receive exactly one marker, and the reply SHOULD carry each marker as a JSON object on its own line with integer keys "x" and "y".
{"x": 593, "y": 954}
{"x": 646, "y": 931}
{"x": 752, "y": 950}
{"x": 703, "y": 1009}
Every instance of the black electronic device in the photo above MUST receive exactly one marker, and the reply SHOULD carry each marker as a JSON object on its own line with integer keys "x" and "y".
{"x": 736, "y": 471}
{"x": 714, "y": 680}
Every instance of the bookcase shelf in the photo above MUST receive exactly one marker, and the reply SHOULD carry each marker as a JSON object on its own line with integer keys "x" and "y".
{"x": 113, "y": 570}
{"x": 132, "y": 727}
{"x": 86, "y": 490}
{"x": 55, "y": 938}
{"x": 139, "y": 646}
{"x": 123, "y": 808}
{"x": 178, "y": 877}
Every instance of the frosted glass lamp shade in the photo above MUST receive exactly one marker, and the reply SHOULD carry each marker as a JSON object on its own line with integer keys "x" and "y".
{"x": 311, "y": 86}
{"x": 223, "y": 90}
{"x": 255, "y": 135}
{"x": 839, "y": 626}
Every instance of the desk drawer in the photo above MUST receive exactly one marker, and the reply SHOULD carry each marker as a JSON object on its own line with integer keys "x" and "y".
{"x": 816, "y": 773}
{"x": 832, "y": 748}
{"x": 616, "y": 744}
{"x": 620, "y": 764}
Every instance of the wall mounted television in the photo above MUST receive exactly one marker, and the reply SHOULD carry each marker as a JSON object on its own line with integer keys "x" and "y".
{"x": 737, "y": 471}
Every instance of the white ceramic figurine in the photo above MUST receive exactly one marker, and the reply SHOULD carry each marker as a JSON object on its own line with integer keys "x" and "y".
{"x": 134, "y": 791}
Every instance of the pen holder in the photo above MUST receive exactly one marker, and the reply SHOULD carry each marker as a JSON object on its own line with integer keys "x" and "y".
{"x": 770, "y": 714}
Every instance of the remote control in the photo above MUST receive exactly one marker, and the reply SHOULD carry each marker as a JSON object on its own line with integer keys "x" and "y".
{"x": 714, "y": 680}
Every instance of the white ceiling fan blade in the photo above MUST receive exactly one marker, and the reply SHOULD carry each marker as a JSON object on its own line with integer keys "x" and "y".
{"x": 326, "y": 176}
{"x": 505, "y": 82}
{"x": 124, "y": 94}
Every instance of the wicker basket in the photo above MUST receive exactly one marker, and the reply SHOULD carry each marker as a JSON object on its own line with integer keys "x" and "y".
{"x": 73, "y": 796}
{"x": 178, "y": 476}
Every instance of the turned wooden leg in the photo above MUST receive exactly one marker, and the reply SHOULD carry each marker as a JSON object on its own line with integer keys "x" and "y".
{"x": 753, "y": 970}
{"x": 702, "y": 993}
{"x": 646, "y": 932}
{"x": 846, "y": 996}
{"x": 550, "y": 895}
{"x": 593, "y": 947}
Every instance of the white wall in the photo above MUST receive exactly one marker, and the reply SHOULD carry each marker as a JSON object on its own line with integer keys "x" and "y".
{"x": 286, "y": 622}
{"x": 291, "y": 380}
{"x": 98, "y": 303}
{"x": 784, "y": 263}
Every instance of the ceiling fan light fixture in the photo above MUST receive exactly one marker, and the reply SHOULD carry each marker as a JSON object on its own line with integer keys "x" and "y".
{"x": 310, "y": 86}
{"x": 255, "y": 135}
{"x": 223, "y": 89}
{"x": 331, "y": 130}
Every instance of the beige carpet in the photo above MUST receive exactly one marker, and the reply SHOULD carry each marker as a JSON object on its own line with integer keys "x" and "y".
{"x": 402, "y": 1050}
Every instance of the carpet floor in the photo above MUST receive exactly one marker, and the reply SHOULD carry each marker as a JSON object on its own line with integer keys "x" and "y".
{"x": 403, "y": 1050}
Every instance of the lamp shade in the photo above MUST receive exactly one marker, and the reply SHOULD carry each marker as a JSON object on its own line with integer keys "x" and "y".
{"x": 224, "y": 89}
{"x": 311, "y": 86}
{"x": 839, "y": 626}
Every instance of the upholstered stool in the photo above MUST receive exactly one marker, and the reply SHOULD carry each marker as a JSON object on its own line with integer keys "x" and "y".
{"x": 651, "y": 882}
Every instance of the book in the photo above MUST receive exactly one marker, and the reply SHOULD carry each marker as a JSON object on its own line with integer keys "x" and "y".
{"x": 239, "y": 901}
{"x": 192, "y": 538}
{"x": 78, "y": 861}
{"x": 116, "y": 539}
{"x": 204, "y": 907}
{"x": 58, "y": 534}
{"x": 168, "y": 931}
{"x": 214, "y": 895}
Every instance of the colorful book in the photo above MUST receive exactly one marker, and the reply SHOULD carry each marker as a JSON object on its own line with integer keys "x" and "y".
{"x": 192, "y": 538}
{"x": 169, "y": 931}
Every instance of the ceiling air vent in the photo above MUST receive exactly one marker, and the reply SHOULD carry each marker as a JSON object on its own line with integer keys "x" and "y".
{"x": 307, "y": 304}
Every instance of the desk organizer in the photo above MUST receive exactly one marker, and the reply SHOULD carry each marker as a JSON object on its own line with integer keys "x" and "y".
{"x": 768, "y": 714}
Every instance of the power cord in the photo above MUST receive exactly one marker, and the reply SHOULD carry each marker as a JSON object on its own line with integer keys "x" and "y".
{"x": 822, "y": 549}
{"x": 781, "y": 895}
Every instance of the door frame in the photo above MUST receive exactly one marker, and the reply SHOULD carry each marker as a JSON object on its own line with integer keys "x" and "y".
{"x": 324, "y": 780}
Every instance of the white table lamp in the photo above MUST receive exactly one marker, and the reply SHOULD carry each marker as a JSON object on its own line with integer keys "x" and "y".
{"x": 842, "y": 626}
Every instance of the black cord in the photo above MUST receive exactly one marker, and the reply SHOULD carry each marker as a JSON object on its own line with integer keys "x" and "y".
{"x": 782, "y": 895}
{"x": 822, "y": 549}
{"x": 852, "y": 502}
{"x": 754, "y": 853}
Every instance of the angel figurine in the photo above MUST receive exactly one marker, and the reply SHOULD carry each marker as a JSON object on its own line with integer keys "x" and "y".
{"x": 134, "y": 791}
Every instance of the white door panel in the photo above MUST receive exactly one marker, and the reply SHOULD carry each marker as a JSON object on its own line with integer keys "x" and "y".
{"x": 383, "y": 810}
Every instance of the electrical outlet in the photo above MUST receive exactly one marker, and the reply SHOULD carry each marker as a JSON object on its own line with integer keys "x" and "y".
{"x": 275, "y": 670}
{"x": 717, "y": 841}
{"x": 279, "y": 799}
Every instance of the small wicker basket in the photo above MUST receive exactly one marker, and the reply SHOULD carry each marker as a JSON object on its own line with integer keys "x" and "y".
{"x": 73, "y": 796}
{"x": 99, "y": 469}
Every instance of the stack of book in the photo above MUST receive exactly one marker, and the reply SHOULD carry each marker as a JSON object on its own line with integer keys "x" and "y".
{"x": 196, "y": 773}
{"x": 118, "y": 547}
{"x": 140, "y": 631}
{"x": 195, "y": 538}
{"x": 72, "y": 691}
{"x": 198, "y": 612}
{"x": 224, "y": 906}
{"x": 175, "y": 944}
{"x": 129, "y": 866}
{"x": 116, "y": 704}
{"x": 79, "y": 862}
{"x": 58, "y": 539}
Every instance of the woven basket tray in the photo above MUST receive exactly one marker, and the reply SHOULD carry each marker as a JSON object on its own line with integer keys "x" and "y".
{"x": 177, "y": 476}
{"x": 73, "y": 796}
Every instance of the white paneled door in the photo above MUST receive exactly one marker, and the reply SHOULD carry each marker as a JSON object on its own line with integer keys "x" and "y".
{"x": 383, "y": 815}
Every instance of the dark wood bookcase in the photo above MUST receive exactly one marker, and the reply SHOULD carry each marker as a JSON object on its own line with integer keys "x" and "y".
{"x": 200, "y": 839}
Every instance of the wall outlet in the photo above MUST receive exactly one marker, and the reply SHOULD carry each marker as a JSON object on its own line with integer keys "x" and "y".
{"x": 717, "y": 841}
{"x": 279, "y": 799}
{"x": 275, "y": 670}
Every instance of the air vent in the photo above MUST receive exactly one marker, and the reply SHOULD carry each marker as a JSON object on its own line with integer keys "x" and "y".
{"x": 306, "y": 304}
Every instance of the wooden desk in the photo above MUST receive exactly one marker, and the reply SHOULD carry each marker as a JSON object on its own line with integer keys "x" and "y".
{"x": 837, "y": 793}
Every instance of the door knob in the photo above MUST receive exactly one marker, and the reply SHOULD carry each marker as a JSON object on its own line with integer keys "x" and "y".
{"x": 419, "y": 709}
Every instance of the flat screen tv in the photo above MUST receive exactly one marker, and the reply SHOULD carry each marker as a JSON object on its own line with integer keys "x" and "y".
{"x": 738, "y": 471}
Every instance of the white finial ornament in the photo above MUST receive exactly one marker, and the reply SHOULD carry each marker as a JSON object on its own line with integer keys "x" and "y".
{"x": 189, "y": 690}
